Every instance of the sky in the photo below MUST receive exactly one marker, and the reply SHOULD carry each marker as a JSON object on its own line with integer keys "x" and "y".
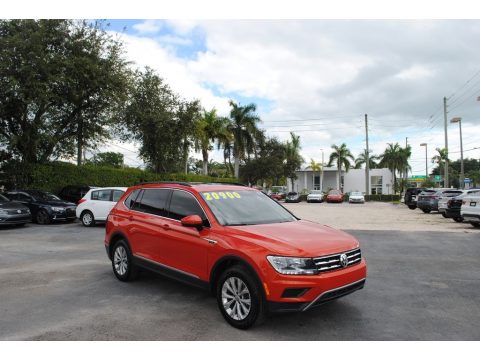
{"x": 319, "y": 78}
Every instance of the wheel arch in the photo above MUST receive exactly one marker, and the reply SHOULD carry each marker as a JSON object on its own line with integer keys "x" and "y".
{"x": 114, "y": 238}
{"x": 227, "y": 261}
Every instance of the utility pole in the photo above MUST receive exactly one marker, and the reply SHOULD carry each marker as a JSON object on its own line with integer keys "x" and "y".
{"x": 406, "y": 165}
{"x": 367, "y": 162}
{"x": 445, "y": 182}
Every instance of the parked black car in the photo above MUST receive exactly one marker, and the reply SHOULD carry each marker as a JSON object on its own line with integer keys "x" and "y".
{"x": 292, "y": 197}
{"x": 411, "y": 195}
{"x": 13, "y": 213}
{"x": 73, "y": 193}
{"x": 427, "y": 201}
{"x": 44, "y": 206}
{"x": 454, "y": 205}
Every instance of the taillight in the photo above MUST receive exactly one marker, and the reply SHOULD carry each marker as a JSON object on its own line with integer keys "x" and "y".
{"x": 81, "y": 201}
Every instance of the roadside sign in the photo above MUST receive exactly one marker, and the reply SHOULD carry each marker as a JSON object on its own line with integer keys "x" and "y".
{"x": 438, "y": 177}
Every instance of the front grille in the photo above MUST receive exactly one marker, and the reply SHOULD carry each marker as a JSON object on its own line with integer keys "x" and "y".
{"x": 332, "y": 262}
{"x": 15, "y": 212}
{"x": 337, "y": 293}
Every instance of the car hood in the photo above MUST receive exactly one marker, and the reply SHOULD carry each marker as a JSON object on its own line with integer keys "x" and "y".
{"x": 298, "y": 238}
{"x": 356, "y": 197}
{"x": 12, "y": 205}
{"x": 60, "y": 203}
{"x": 315, "y": 195}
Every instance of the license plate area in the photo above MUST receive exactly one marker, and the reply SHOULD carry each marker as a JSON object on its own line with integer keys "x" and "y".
{"x": 473, "y": 203}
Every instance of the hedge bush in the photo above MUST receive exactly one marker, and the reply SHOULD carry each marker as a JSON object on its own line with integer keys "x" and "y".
{"x": 382, "y": 197}
{"x": 54, "y": 176}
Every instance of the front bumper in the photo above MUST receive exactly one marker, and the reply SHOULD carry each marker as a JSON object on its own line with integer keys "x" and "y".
{"x": 360, "y": 201}
{"x": 319, "y": 288}
{"x": 15, "y": 219}
{"x": 315, "y": 199}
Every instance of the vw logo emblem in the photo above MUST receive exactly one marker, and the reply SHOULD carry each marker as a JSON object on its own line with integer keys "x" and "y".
{"x": 19, "y": 211}
{"x": 343, "y": 260}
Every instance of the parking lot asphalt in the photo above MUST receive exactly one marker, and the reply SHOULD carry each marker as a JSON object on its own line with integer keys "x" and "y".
{"x": 56, "y": 283}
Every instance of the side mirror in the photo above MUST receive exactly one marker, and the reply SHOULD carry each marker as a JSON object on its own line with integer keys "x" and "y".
{"x": 192, "y": 221}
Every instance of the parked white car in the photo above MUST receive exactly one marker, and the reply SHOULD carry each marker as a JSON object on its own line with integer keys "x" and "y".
{"x": 356, "y": 197}
{"x": 470, "y": 210}
{"x": 97, "y": 203}
{"x": 444, "y": 197}
{"x": 315, "y": 196}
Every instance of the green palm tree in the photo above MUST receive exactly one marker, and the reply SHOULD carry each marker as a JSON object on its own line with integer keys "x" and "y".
{"x": 293, "y": 159}
{"x": 244, "y": 128}
{"x": 441, "y": 158}
{"x": 395, "y": 158}
{"x": 341, "y": 156}
{"x": 314, "y": 166}
{"x": 210, "y": 128}
{"x": 362, "y": 159}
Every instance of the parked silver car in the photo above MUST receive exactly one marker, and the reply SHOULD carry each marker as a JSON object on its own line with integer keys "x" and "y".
{"x": 428, "y": 199}
{"x": 356, "y": 197}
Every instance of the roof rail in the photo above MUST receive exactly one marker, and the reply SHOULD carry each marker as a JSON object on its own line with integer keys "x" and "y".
{"x": 165, "y": 182}
{"x": 225, "y": 183}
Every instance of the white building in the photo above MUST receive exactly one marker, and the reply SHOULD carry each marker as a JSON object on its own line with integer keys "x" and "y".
{"x": 381, "y": 180}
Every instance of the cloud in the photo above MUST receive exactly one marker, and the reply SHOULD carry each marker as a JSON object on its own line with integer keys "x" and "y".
{"x": 148, "y": 27}
{"x": 332, "y": 70}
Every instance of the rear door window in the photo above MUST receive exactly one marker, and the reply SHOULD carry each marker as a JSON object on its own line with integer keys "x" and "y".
{"x": 153, "y": 201}
{"x": 184, "y": 204}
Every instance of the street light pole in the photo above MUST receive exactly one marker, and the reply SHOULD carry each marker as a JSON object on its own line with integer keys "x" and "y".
{"x": 426, "y": 160}
{"x": 321, "y": 174}
{"x": 462, "y": 174}
{"x": 445, "y": 182}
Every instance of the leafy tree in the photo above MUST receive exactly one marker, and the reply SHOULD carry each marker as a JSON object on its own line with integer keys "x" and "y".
{"x": 246, "y": 134}
{"x": 150, "y": 118}
{"x": 109, "y": 158}
{"x": 362, "y": 159}
{"x": 210, "y": 128}
{"x": 269, "y": 164}
{"x": 188, "y": 114}
{"x": 60, "y": 81}
{"x": 341, "y": 156}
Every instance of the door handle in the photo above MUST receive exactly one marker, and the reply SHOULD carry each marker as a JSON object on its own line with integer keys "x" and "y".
{"x": 166, "y": 226}
{"x": 130, "y": 218}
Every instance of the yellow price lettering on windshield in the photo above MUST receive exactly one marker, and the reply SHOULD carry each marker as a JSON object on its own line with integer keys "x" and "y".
{"x": 221, "y": 195}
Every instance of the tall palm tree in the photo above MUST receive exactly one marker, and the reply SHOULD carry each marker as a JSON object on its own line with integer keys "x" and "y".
{"x": 341, "y": 156}
{"x": 246, "y": 134}
{"x": 362, "y": 159}
{"x": 441, "y": 158}
{"x": 293, "y": 159}
{"x": 314, "y": 166}
{"x": 395, "y": 158}
{"x": 210, "y": 128}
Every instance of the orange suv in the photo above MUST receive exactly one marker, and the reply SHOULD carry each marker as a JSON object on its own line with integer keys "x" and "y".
{"x": 248, "y": 250}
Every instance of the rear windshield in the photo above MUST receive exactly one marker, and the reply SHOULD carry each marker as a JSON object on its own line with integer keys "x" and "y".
{"x": 245, "y": 207}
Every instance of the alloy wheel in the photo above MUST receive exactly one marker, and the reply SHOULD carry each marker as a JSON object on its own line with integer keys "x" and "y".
{"x": 236, "y": 298}
{"x": 120, "y": 260}
{"x": 87, "y": 219}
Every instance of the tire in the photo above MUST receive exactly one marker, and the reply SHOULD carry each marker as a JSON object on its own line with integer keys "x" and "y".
{"x": 458, "y": 219}
{"x": 42, "y": 217}
{"x": 234, "y": 280}
{"x": 87, "y": 218}
{"x": 122, "y": 263}
{"x": 412, "y": 207}
{"x": 475, "y": 224}
{"x": 444, "y": 215}
{"x": 426, "y": 211}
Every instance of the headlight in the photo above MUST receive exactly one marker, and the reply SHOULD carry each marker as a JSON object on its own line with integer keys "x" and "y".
{"x": 292, "y": 265}
{"x": 58, "y": 209}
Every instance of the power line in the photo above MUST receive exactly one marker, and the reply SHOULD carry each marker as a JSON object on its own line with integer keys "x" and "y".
{"x": 465, "y": 84}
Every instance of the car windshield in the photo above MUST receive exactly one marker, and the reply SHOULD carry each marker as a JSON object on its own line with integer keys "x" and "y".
{"x": 3, "y": 198}
{"x": 318, "y": 192}
{"x": 42, "y": 195}
{"x": 245, "y": 207}
{"x": 334, "y": 192}
{"x": 356, "y": 193}
{"x": 292, "y": 193}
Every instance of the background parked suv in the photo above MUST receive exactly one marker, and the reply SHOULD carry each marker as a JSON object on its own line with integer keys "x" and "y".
{"x": 410, "y": 197}
{"x": 470, "y": 210}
